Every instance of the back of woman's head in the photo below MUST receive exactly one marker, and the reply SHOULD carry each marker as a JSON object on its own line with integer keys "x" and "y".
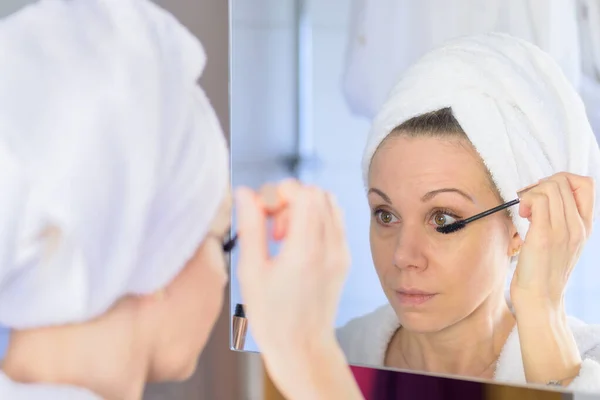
{"x": 112, "y": 161}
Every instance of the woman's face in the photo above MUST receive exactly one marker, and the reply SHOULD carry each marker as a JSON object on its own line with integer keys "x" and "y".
{"x": 416, "y": 185}
{"x": 192, "y": 303}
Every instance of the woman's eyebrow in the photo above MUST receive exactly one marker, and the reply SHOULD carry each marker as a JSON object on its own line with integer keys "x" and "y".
{"x": 430, "y": 195}
{"x": 384, "y": 196}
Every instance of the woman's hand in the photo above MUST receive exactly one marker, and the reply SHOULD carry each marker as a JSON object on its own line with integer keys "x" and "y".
{"x": 296, "y": 292}
{"x": 291, "y": 299}
{"x": 560, "y": 210}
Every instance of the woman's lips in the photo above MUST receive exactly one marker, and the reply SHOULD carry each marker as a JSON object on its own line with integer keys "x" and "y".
{"x": 413, "y": 297}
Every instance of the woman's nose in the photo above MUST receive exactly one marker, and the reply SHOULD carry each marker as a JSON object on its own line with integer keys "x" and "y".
{"x": 409, "y": 251}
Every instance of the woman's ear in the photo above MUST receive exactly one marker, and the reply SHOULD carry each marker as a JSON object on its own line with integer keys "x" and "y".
{"x": 515, "y": 243}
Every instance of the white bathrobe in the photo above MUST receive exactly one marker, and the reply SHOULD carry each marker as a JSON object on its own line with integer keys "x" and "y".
{"x": 365, "y": 339}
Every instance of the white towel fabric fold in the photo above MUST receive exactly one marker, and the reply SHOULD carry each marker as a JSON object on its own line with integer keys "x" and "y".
{"x": 112, "y": 161}
{"x": 512, "y": 100}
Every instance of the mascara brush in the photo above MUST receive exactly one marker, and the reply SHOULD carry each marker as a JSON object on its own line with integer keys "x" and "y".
{"x": 458, "y": 225}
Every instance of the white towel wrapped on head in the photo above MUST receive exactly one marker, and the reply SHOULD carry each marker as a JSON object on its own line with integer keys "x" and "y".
{"x": 517, "y": 108}
{"x": 112, "y": 161}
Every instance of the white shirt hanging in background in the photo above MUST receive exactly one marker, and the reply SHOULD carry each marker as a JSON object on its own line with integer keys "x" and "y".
{"x": 589, "y": 28}
{"x": 387, "y": 36}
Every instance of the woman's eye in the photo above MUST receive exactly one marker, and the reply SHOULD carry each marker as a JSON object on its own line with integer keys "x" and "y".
{"x": 442, "y": 219}
{"x": 385, "y": 217}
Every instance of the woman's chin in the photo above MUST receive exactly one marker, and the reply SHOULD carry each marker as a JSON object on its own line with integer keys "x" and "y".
{"x": 186, "y": 371}
{"x": 421, "y": 322}
{"x": 176, "y": 369}
{"x": 179, "y": 373}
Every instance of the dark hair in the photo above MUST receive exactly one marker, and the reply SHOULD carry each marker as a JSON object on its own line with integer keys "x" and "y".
{"x": 435, "y": 123}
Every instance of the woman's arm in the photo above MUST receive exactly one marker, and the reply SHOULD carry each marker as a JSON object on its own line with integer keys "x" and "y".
{"x": 292, "y": 297}
{"x": 312, "y": 372}
{"x": 548, "y": 347}
{"x": 550, "y": 353}
{"x": 560, "y": 210}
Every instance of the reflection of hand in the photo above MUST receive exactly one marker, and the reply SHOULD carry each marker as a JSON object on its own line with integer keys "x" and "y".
{"x": 291, "y": 299}
{"x": 560, "y": 209}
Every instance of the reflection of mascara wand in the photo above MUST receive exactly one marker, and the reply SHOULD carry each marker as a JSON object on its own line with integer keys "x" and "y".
{"x": 239, "y": 327}
{"x": 458, "y": 225}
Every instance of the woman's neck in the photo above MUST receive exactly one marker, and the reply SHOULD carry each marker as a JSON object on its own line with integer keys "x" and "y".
{"x": 101, "y": 356}
{"x": 469, "y": 348}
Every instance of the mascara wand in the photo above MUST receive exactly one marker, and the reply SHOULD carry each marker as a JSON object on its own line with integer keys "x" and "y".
{"x": 458, "y": 225}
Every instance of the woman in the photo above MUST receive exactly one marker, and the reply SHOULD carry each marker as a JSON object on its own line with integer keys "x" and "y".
{"x": 115, "y": 211}
{"x": 477, "y": 122}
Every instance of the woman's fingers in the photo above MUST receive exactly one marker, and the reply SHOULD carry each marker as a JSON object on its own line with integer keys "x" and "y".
{"x": 305, "y": 231}
{"x": 584, "y": 191}
{"x": 575, "y": 228}
{"x": 338, "y": 238}
{"x": 556, "y": 208}
{"x": 275, "y": 208}
{"x": 330, "y": 232}
{"x": 275, "y": 199}
{"x": 535, "y": 206}
{"x": 280, "y": 225}
{"x": 298, "y": 215}
{"x": 562, "y": 203}
{"x": 310, "y": 212}
{"x": 252, "y": 233}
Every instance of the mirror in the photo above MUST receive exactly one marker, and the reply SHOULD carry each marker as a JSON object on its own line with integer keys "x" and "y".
{"x": 307, "y": 78}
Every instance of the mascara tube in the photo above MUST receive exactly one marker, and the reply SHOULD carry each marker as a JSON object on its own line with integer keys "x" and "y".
{"x": 239, "y": 327}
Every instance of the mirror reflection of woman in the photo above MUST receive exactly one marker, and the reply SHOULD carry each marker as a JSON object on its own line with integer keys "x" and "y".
{"x": 472, "y": 125}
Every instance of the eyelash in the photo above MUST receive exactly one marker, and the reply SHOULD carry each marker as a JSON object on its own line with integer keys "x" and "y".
{"x": 446, "y": 211}
{"x": 436, "y": 211}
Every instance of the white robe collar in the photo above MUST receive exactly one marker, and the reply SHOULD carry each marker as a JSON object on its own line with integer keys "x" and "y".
{"x": 365, "y": 340}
